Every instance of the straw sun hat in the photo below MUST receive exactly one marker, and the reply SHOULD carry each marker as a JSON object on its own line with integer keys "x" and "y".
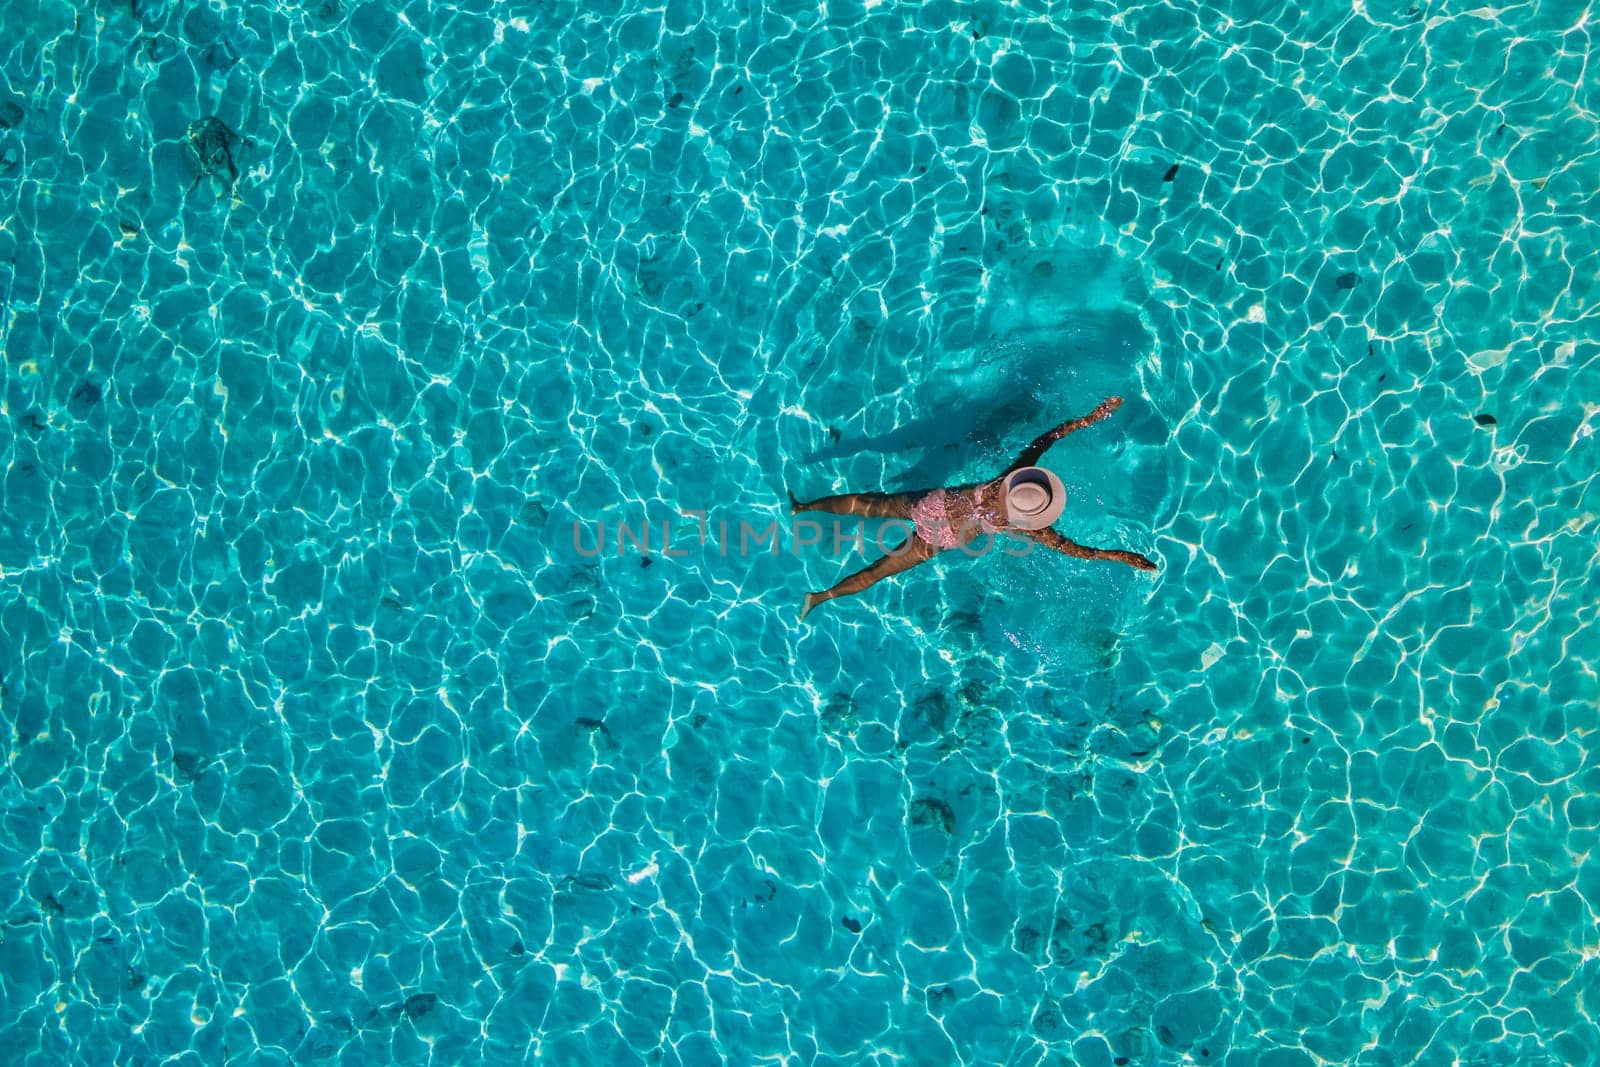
{"x": 1035, "y": 498}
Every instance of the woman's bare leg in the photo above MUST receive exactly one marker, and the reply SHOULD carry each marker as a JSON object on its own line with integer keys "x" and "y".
{"x": 905, "y": 557}
{"x": 864, "y": 505}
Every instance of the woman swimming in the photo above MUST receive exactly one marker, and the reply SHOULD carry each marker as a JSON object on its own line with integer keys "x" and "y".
{"x": 1024, "y": 499}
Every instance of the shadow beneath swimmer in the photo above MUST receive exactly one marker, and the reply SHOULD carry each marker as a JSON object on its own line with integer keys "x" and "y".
{"x": 975, "y": 413}
{"x": 946, "y": 443}
{"x": 987, "y": 404}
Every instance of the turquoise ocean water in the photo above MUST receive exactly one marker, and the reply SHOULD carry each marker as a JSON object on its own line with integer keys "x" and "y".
{"x": 325, "y": 323}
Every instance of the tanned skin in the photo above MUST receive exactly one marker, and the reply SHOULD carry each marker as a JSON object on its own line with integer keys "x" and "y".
{"x": 971, "y": 509}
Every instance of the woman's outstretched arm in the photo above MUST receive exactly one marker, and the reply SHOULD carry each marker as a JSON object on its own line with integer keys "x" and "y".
{"x": 1050, "y": 539}
{"x": 1031, "y": 454}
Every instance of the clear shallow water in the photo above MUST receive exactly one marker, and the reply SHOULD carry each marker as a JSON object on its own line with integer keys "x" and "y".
{"x": 324, "y": 743}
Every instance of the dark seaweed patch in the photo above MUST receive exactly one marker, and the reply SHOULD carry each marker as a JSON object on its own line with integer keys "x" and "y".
{"x": 931, "y": 811}
{"x": 87, "y": 394}
{"x": 212, "y": 148}
{"x": 189, "y": 765}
